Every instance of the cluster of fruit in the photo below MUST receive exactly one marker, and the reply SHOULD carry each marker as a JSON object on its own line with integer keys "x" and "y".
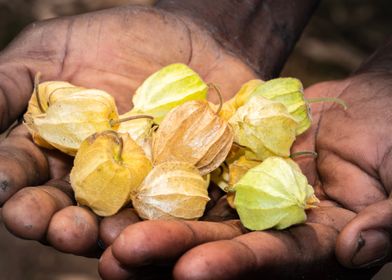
{"x": 161, "y": 155}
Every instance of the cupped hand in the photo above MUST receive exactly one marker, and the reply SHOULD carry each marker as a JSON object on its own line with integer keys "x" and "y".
{"x": 346, "y": 237}
{"x": 113, "y": 50}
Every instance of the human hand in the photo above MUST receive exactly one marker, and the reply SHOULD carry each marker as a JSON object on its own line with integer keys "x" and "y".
{"x": 352, "y": 224}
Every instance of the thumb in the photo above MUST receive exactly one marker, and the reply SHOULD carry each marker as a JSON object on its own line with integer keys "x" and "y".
{"x": 366, "y": 240}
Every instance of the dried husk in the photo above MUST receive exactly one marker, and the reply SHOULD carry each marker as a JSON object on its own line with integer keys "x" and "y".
{"x": 166, "y": 89}
{"x": 172, "y": 190}
{"x": 273, "y": 194}
{"x": 34, "y": 108}
{"x": 220, "y": 177}
{"x": 193, "y": 133}
{"x": 237, "y": 170}
{"x": 231, "y": 106}
{"x": 288, "y": 91}
{"x": 264, "y": 128}
{"x": 140, "y": 130}
{"x": 73, "y": 117}
{"x": 107, "y": 169}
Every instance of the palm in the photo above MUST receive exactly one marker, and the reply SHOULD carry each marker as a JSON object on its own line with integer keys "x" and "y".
{"x": 117, "y": 49}
{"x": 113, "y": 50}
{"x": 346, "y": 176}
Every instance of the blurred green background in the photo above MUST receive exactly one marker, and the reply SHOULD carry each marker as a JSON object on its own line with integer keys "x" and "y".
{"x": 341, "y": 34}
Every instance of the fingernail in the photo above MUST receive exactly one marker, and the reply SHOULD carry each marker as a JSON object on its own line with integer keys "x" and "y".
{"x": 373, "y": 248}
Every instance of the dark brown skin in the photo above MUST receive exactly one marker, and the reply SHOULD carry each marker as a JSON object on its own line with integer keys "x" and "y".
{"x": 77, "y": 226}
{"x": 28, "y": 213}
{"x": 351, "y": 177}
{"x": 117, "y": 49}
{"x": 111, "y": 227}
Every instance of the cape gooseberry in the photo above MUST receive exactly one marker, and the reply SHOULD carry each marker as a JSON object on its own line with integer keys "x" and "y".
{"x": 140, "y": 128}
{"x": 289, "y": 91}
{"x": 62, "y": 115}
{"x": 239, "y": 99}
{"x": 274, "y": 194}
{"x": 172, "y": 190}
{"x": 193, "y": 133}
{"x": 39, "y": 102}
{"x": 107, "y": 168}
{"x": 166, "y": 89}
{"x": 264, "y": 128}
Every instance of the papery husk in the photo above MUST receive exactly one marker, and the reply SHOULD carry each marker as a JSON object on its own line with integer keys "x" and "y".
{"x": 107, "y": 169}
{"x": 73, "y": 117}
{"x": 140, "y": 130}
{"x": 239, "y": 168}
{"x": 230, "y": 107}
{"x": 168, "y": 88}
{"x": 220, "y": 177}
{"x": 45, "y": 90}
{"x": 273, "y": 194}
{"x": 193, "y": 133}
{"x": 172, "y": 190}
{"x": 289, "y": 92}
{"x": 264, "y": 128}
{"x": 236, "y": 170}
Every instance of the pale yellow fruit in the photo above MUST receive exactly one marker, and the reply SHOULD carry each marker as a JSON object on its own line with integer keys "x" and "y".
{"x": 230, "y": 107}
{"x": 38, "y": 106}
{"x": 193, "y": 133}
{"x": 274, "y": 194}
{"x": 140, "y": 130}
{"x": 172, "y": 190}
{"x": 107, "y": 169}
{"x": 264, "y": 128}
{"x": 73, "y": 117}
{"x": 166, "y": 89}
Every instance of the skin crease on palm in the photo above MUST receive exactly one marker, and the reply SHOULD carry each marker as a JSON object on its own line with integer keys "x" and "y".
{"x": 350, "y": 175}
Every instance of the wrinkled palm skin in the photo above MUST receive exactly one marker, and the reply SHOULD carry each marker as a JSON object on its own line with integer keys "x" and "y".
{"x": 115, "y": 50}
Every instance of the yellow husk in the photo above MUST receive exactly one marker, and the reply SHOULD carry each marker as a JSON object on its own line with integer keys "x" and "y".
{"x": 106, "y": 172}
{"x": 172, "y": 190}
{"x": 193, "y": 133}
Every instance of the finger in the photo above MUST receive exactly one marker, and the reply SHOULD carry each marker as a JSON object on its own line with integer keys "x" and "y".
{"x": 366, "y": 240}
{"x": 297, "y": 253}
{"x": 74, "y": 230}
{"x": 110, "y": 268}
{"x": 27, "y": 214}
{"x": 111, "y": 227}
{"x": 21, "y": 164}
{"x": 157, "y": 242}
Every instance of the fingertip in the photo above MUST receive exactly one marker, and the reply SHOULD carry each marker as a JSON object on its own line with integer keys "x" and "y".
{"x": 27, "y": 214}
{"x": 133, "y": 246}
{"x": 74, "y": 230}
{"x": 215, "y": 260}
{"x": 111, "y": 227}
{"x": 364, "y": 242}
{"x": 110, "y": 268}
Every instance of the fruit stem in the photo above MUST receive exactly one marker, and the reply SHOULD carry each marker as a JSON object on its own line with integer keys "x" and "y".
{"x": 115, "y": 122}
{"x": 304, "y": 153}
{"x": 118, "y": 139}
{"x": 37, "y": 78}
{"x": 217, "y": 90}
{"x": 328, "y": 99}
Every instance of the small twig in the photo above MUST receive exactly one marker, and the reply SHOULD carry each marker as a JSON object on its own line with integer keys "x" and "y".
{"x": 217, "y": 90}
{"x": 131, "y": 118}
